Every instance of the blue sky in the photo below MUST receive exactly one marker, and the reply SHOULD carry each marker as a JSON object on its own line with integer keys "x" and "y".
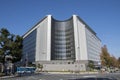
{"x": 103, "y": 16}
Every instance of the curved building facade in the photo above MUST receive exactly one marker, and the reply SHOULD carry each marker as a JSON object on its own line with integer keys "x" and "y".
{"x": 68, "y": 44}
{"x": 62, "y": 40}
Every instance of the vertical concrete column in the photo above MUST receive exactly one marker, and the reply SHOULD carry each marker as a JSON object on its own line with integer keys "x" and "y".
{"x": 49, "y": 39}
{"x": 76, "y": 37}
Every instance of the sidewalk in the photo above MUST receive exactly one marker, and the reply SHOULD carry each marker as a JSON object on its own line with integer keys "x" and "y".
{"x": 3, "y": 77}
{"x": 73, "y": 72}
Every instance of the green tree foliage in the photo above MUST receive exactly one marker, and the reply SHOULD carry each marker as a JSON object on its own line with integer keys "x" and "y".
{"x": 4, "y": 43}
{"x": 40, "y": 66}
{"x": 10, "y": 45}
{"x": 91, "y": 65}
{"x": 118, "y": 62}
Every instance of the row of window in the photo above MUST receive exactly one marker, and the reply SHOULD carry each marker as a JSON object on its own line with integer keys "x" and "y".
{"x": 64, "y": 52}
{"x": 64, "y": 33}
{"x": 62, "y": 36}
{"x": 63, "y": 41}
{"x": 29, "y": 44}
{"x": 68, "y": 46}
{"x": 64, "y": 49}
{"x": 68, "y": 29}
{"x": 62, "y": 58}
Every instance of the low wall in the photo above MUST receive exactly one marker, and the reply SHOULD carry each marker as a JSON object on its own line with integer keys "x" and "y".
{"x": 64, "y": 67}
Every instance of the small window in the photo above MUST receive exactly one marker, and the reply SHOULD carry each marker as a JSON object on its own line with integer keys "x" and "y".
{"x": 81, "y": 65}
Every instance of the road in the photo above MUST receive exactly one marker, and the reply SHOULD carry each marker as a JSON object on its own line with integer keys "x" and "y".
{"x": 46, "y": 76}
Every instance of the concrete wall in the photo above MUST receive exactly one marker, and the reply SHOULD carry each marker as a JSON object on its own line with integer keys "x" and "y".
{"x": 43, "y": 40}
{"x": 80, "y": 39}
{"x": 93, "y": 46}
{"x": 64, "y": 67}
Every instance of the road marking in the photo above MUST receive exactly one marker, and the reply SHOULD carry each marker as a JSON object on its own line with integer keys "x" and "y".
{"x": 89, "y": 76}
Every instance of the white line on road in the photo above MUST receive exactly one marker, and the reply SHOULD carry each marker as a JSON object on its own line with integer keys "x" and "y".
{"x": 89, "y": 76}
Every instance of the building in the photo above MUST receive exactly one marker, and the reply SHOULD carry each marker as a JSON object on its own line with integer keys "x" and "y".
{"x": 61, "y": 45}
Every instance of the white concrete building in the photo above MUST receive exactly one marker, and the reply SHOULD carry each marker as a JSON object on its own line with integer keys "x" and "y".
{"x": 59, "y": 44}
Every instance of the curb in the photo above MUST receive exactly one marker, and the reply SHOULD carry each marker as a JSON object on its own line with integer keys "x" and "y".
{"x": 6, "y": 77}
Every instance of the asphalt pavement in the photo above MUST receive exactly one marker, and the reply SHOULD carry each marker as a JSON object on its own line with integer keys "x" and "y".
{"x": 48, "y": 76}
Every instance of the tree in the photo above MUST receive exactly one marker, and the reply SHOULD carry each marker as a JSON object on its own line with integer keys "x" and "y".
{"x": 91, "y": 65}
{"x": 114, "y": 62}
{"x": 107, "y": 60}
{"x": 105, "y": 57}
{"x": 16, "y": 48}
{"x": 10, "y": 45}
{"x": 118, "y": 62}
{"x": 4, "y": 44}
{"x": 40, "y": 66}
